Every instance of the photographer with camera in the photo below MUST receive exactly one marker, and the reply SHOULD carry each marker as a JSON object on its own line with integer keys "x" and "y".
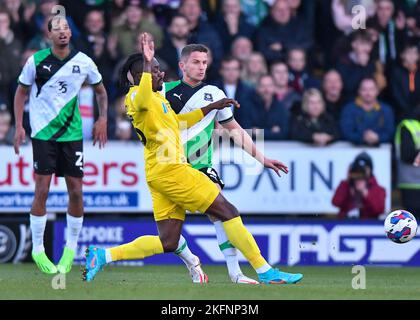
{"x": 360, "y": 196}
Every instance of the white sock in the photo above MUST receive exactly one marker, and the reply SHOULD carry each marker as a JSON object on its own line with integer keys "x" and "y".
{"x": 263, "y": 269}
{"x": 37, "y": 225}
{"x": 108, "y": 256}
{"x": 185, "y": 253}
{"x": 230, "y": 252}
{"x": 74, "y": 225}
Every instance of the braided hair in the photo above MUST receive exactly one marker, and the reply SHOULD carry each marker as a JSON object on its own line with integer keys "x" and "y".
{"x": 134, "y": 64}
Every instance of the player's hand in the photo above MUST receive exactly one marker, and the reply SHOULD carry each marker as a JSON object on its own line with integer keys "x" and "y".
{"x": 147, "y": 46}
{"x": 276, "y": 166}
{"x": 100, "y": 132}
{"x": 223, "y": 103}
{"x": 20, "y": 137}
{"x": 417, "y": 160}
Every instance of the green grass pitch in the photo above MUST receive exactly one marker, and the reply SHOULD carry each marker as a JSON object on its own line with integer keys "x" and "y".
{"x": 24, "y": 281}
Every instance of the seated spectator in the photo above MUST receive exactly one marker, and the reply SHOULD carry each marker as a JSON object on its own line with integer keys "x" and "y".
{"x": 405, "y": 82}
{"x": 79, "y": 9}
{"x": 367, "y": 120}
{"x": 21, "y": 15}
{"x": 254, "y": 11}
{"x": 299, "y": 77}
{"x": 253, "y": 69}
{"x": 242, "y": 49}
{"x": 360, "y": 195}
{"x": 284, "y": 93}
{"x": 41, "y": 40}
{"x": 314, "y": 125}
{"x": 175, "y": 40}
{"x": 97, "y": 45}
{"x": 269, "y": 118}
{"x": 411, "y": 11}
{"x": 232, "y": 24}
{"x": 332, "y": 87}
{"x": 135, "y": 24}
{"x": 163, "y": 10}
{"x": 391, "y": 31}
{"x": 235, "y": 88}
{"x": 280, "y": 31}
{"x": 407, "y": 147}
{"x": 304, "y": 10}
{"x": 10, "y": 50}
{"x": 357, "y": 64}
{"x": 44, "y": 12}
{"x": 200, "y": 30}
{"x": 6, "y": 129}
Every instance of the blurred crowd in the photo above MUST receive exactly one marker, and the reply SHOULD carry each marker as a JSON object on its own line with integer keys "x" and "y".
{"x": 299, "y": 68}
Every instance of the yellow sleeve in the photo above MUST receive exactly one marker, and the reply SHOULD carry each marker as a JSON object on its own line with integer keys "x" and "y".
{"x": 144, "y": 94}
{"x": 190, "y": 118}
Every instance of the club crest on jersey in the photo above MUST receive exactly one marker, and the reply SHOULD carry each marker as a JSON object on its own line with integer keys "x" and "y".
{"x": 165, "y": 108}
{"x": 208, "y": 97}
{"x": 76, "y": 69}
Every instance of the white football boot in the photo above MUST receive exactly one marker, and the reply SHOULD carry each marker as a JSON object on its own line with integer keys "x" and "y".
{"x": 242, "y": 279}
{"x": 196, "y": 272}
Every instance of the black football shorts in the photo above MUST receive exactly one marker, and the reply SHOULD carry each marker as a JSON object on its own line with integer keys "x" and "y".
{"x": 213, "y": 176}
{"x": 61, "y": 158}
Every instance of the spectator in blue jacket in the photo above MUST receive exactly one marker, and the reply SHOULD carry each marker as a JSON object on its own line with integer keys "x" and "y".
{"x": 200, "y": 30}
{"x": 235, "y": 88}
{"x": 232, "y": 24}
{"x": 269, "y": 114}
{"x": 367, "y": 120}
{"x": 357, "y": 64}
{"x": 281, "y": 31}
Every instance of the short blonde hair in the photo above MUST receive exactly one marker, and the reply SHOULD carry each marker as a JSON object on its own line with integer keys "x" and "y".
{"x": 309, "y": 94}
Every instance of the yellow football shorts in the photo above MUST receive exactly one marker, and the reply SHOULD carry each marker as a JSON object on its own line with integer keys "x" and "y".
{"x": 186, "y": 189}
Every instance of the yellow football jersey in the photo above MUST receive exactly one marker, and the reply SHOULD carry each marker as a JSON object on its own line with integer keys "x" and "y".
{"x": 158, "y": 127}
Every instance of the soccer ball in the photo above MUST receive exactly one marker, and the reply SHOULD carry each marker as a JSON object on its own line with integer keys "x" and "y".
{"x": 400, "y": 226}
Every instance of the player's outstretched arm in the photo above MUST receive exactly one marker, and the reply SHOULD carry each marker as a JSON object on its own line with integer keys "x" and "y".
{"x": 244, "y": 141}
{"x": 191, "y": 118}
{"x": 145, "y": 89}
{"x": 100, "y": 127}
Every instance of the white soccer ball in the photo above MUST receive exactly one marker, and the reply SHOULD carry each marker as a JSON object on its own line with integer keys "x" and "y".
{"x": 400, "y": 226}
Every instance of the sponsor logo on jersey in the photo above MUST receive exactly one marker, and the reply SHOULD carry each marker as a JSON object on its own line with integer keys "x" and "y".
{"x": 165, "y": 109}
{"x": 47, "y": 67}
{"x": 76, "y": 69}
{"x": 178, "y": 96}
{"x": 208, "y": 97}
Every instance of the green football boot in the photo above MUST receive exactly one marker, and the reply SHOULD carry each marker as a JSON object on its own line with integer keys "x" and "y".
{"x": 44, "y": 264}
{"x": 66, "y": 261}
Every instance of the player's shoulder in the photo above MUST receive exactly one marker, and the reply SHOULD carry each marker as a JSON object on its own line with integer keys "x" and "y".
{"x": 39, "y": 56}
{"x": 81, "y": 56}
{"x": 128, "y": 101}
{"x": 212, "y": 89}
{"x": 171, "y": 85}
{"x": 213, "y": 92}
{"x": 131, "y": 94}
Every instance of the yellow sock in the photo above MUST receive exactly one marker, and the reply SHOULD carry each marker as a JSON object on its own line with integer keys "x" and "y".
{"x": 140, "y": 248}
{"x": 240, "y": 237}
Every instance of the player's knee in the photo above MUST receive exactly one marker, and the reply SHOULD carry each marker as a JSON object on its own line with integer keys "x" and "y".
{"x": 75, "y": 196}
{"x": 169, "y": 244}
{"x": 41, "y": 194}
{"x": 229, "y": 210}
